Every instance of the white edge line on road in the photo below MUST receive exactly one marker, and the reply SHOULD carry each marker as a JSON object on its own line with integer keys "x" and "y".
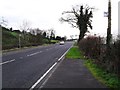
{"x": 61, "y": 58}
{"x": 64, "y": 54}
{"x": 7, "y": 61}
{"x": 39, "y": 80}
{"x": 42, "y": 76}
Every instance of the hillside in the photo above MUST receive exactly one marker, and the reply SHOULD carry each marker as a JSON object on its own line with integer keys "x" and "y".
{"x": 9, "y": 38}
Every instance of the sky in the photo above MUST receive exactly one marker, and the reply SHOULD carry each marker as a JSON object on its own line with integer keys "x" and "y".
{"x": 45, "y": 14}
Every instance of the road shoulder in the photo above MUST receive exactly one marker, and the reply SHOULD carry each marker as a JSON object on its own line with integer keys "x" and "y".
{"x": 72, "y": 73}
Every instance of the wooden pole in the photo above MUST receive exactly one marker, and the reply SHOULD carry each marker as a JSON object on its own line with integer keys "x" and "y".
{"x": 109, "y": 27}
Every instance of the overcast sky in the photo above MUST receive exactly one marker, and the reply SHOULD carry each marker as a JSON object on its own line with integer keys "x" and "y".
{"x": 45, "y": 14}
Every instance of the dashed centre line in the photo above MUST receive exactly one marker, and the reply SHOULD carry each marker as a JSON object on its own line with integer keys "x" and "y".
{"x": 7, "y": 61}
{"x": 40, "y": 51}
{"x": 20, "y": 58}
{"x": 34, "y": 53}
{"x": 23, "y": 57}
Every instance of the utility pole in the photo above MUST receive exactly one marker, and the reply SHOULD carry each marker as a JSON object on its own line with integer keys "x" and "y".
{"x": 109, "y": 36}
{"x": 19, "y": 40}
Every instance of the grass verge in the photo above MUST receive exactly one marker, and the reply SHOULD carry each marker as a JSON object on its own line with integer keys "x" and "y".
{"x": 54, "y": 41}
{"x": 74, "y": 53}
{"x": 108, "y": 79}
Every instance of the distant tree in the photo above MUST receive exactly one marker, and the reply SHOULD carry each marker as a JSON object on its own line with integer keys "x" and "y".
{"x": 65, "y": 38}
{"x": 58, "y": 38}
{"x": 25, "y": 27}
{"x": 3, "y": 22}
{"x": 79, "y": 17}
{"x": 38, "y": 31}
{"x": 44, "y": 34}
{"x": 11, "y": 29}
{"x": 17, "y": 31}
{"x": 39, "y": 39}
{"x": 71, "y": 36}
{"x": 52, "y": 34}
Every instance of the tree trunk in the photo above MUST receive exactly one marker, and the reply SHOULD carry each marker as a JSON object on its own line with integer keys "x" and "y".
{"x": 81, "y": 36}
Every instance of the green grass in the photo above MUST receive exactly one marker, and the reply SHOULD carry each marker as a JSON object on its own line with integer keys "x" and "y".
{"x": 108, "y": 79}
{"x": 74, "y": 53}
{"x": 14, "y": 34}
{"x": 54, "y": 41}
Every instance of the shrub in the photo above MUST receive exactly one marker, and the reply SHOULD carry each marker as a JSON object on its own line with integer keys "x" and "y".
{"x": 115, "y": 58}
{"x": 91, "y": 46}
{"x": 94, "y": 47}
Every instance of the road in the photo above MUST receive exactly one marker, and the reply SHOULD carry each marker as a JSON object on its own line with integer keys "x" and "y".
{"x": 23, "y": 68}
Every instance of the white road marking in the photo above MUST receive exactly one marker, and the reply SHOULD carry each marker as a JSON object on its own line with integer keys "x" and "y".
{"x": 7, "y": 62}
{"x": 40, "y": 51}
{"x": 33, "y": 54}
{"x": 28, "y": 55}
{"x": 64, "y": 54}
{"x": 39, "y": 80}
{"x": 21, "y": 57}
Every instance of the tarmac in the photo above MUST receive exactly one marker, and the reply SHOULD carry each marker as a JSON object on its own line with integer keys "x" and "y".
{"x": 71, "y": 73}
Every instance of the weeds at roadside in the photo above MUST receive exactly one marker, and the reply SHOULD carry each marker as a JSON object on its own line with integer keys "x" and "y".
{"x": 109, "y": 79}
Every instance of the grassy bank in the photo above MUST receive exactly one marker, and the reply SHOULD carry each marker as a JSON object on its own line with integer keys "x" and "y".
{"x": 74, "y": 53}
{"x": 109, "y": 79}
{"x": 13, "y": 39}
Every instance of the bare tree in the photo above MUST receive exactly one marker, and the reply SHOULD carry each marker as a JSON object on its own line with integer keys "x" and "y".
{"x": 25, "y": 27}
{"x": 52, "y": 36}
{"x": 51, "y": 33}
{"x": 79, "y": 17}
{"x": 71, "y": 36}
{"x": 3, "y": 22}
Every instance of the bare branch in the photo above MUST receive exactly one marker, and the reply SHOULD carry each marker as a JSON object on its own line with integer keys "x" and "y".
{"x": 67, "y": 12}
{"x": 25, "y": 26}
{"x": 76, "y": 14}
{"x": 79, "y": 18}
{"x": 3, "y": 22}
{"x": 74, "y": 26}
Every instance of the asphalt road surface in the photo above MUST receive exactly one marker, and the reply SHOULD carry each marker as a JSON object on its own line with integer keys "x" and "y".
{"x": 21, "y": 69}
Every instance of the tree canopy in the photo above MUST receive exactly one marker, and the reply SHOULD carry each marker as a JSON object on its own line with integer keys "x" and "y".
{"x": 79, "y": 17}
